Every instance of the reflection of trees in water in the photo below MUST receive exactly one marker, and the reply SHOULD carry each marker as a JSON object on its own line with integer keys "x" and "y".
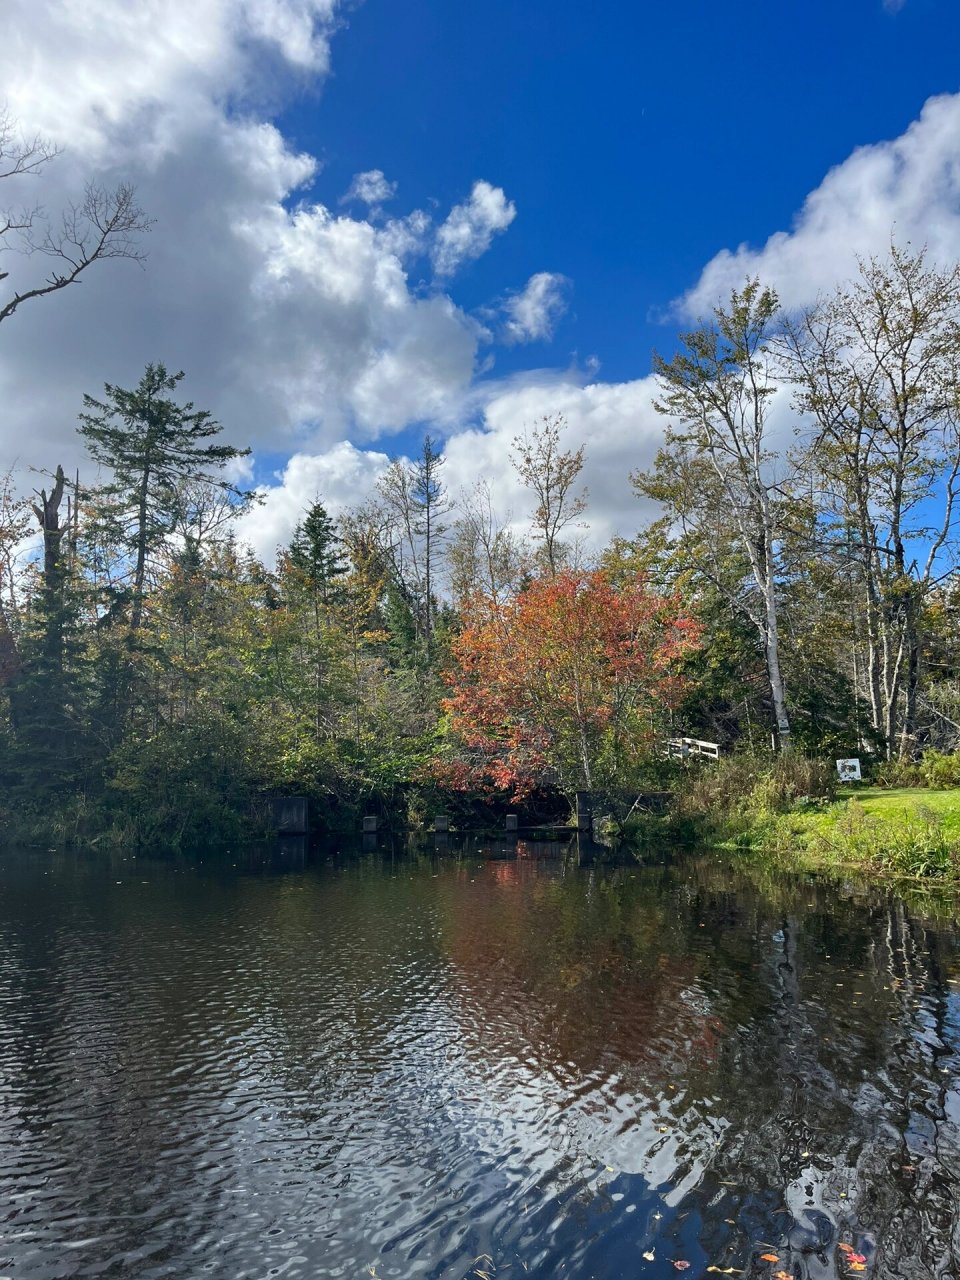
{"x": 778, "y": 1060}
{"x": 844, "y": 1132}
{"x": 792, "y": 1045}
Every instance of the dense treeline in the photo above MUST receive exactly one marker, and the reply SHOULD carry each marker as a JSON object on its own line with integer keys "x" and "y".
{"x": 798, "y": 593}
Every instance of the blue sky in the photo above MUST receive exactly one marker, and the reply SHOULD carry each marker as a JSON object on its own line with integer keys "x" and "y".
{"x": 562, "y": 187}
{"x": 636, "y": 140}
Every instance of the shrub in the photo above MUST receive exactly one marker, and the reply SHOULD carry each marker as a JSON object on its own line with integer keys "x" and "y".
{"x": 896, "y": 773}
{"x": 755, "y": 784}
{"x": 939, "y": 772}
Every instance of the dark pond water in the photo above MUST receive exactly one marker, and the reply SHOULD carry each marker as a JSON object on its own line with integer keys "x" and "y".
{"x": 404, "y": 1068}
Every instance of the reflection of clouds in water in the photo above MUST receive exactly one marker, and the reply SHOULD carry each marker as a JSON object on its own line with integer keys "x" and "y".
{"x": 415, "y": 1066}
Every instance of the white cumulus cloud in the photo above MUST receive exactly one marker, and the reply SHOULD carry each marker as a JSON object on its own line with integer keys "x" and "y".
{"x": 532, "y": 314}
{"x": 340, "y": 477}
{"x": 371, "y": 188}
{"x": 617, "y": 421}
{"x": 907, "y": 188}
{"x": 295, "y": 326}
{"x": 470, "y": 227}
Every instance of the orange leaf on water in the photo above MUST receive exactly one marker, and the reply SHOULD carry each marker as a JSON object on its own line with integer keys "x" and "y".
{"x": 857, "y": 1266}
{"x": 769, "y": 1257}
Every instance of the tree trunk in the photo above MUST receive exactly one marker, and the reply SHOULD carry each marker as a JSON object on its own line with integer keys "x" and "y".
{"x": 775, "y": 678}
{"x": 911, "y": 687}
{"x": 48, "y": 518}
{"x": 772, "y": 632}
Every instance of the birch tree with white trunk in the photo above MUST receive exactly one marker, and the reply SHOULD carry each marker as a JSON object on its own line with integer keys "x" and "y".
{"x": 716, "y": 474}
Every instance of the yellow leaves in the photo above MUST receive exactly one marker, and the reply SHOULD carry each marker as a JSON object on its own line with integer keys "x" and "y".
{"x": 649, "y": 1255}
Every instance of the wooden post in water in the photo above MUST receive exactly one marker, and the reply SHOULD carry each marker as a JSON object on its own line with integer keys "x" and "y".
{"x": 512, "y": 824}
{"x": 441, "y": 823}
{"x": 370, "y": 824}
{"x": 584, "y": 819}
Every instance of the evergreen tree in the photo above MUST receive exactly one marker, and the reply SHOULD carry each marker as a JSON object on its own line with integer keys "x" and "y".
{"x": 316, "y": 551}
{"x": 152, "y": 445}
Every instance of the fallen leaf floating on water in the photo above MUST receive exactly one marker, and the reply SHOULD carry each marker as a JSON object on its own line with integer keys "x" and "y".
{"x": 769, "y": 1257}
{"x": 852, "y": 1255}
{"x": 680, "y": 1264}
{"x": 728, "y": 1271}
{"x": 857, "y": 1266}
{"x": 649, "y": 1255}
{"x": 782, "y": 1275}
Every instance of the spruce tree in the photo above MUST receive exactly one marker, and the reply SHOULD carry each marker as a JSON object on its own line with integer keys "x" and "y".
{"x": 316, "y": 552}
{"x": 152, "y": 445}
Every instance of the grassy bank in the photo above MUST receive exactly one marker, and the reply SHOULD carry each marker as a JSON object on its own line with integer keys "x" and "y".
{"x": 790, "y": 810}
{"x": 906, "y": 832}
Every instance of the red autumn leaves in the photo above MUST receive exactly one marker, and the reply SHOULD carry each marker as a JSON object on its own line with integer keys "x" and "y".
{"x": 567, "y": 677}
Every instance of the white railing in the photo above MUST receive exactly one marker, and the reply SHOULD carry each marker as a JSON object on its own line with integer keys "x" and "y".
{"x": 684, "y": 747}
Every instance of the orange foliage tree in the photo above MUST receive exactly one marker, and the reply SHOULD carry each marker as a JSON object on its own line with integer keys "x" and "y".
{"x": 565, "y": 680}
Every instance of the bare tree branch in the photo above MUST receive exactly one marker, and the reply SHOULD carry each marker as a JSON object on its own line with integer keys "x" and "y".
{"x": 107, "y": 223}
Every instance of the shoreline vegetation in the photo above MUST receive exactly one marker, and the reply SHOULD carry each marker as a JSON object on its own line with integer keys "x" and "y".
{"x": 902, "y": 825}
{"x": 426, "y": 652}
{"x": 899, "y": 828}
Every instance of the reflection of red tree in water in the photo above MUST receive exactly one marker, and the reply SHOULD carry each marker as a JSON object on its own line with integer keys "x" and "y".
{"x": 578, "y": 977}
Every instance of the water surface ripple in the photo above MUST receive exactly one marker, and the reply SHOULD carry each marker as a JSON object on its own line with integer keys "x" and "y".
{"x": 494, "y": 1069}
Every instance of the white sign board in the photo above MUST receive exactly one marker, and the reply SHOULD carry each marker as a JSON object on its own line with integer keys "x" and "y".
{"x": 849, "y": 771}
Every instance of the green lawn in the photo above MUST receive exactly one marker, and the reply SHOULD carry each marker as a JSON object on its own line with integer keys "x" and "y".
{"x": 909, "y": 832}
{"x": 904, "y": 802}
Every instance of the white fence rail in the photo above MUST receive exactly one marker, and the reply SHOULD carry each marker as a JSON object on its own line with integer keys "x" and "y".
{"x": 684, "y": 747}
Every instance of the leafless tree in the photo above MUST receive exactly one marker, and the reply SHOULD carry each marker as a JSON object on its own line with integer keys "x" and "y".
{"x": 485, "y": 555}
{"x": 105, "y": 223}
{"x": 551, "y": 474}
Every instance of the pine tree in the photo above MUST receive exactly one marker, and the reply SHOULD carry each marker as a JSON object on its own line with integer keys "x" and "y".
{"x": 152, "y": 445}
{"x": 316, "y": 552}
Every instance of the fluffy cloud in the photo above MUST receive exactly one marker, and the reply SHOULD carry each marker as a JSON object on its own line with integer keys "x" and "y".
{"x": 371, "y": 188}
{"x": 533, "y": 313}
{"x": 341, "y": 477}
{"x": 908, "y": 187}
{"x": 295, "y": 325}
{"x": 103, "y": 74}
{"x": 471, "y": 226}
{"x": 617, "y": 420}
